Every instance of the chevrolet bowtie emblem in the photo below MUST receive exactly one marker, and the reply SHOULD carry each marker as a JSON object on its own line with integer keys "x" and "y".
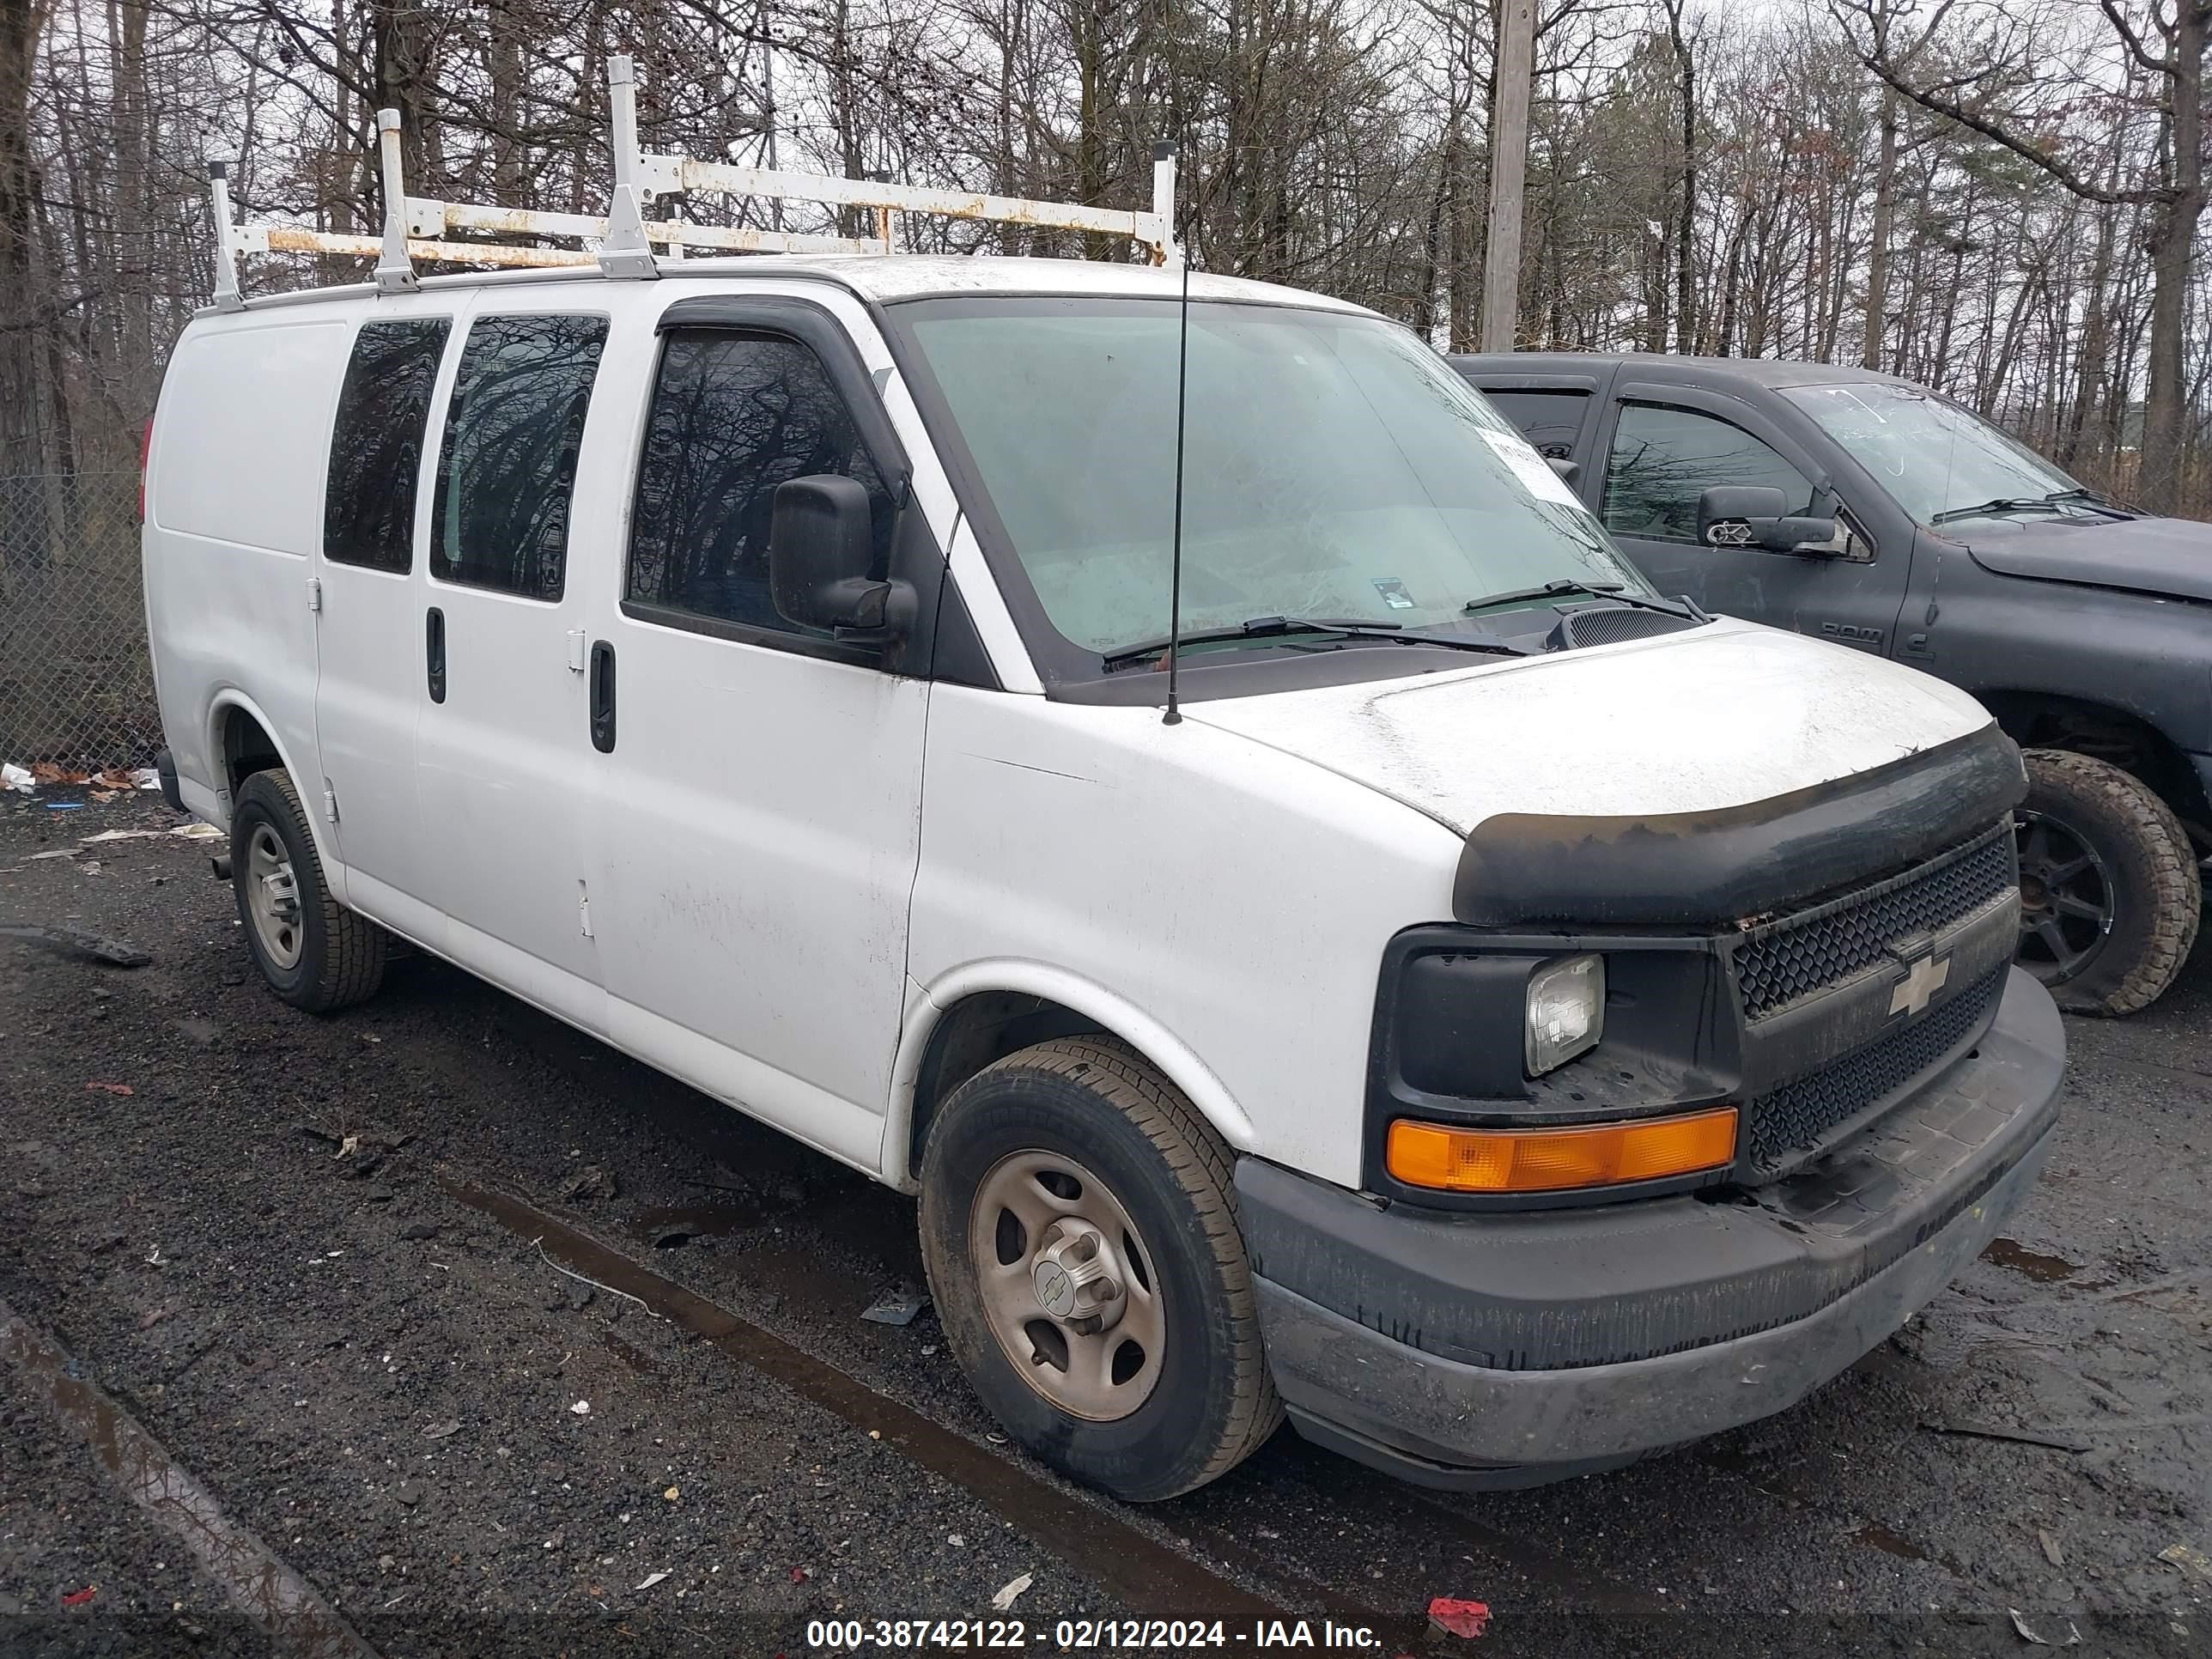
{"x": 1924, "y": 979}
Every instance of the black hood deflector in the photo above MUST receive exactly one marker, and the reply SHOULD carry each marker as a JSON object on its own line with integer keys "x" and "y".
{"x": 1728, "y": 866}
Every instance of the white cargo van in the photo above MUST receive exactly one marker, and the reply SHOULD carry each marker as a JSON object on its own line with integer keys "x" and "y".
{"x": 1508, "y": 1022}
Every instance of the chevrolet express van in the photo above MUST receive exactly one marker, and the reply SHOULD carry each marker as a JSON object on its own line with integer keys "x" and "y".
{"x": 1506, "y": 1021}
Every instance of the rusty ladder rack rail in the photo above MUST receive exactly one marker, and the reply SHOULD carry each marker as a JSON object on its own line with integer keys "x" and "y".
{"x": 414, "y": 227}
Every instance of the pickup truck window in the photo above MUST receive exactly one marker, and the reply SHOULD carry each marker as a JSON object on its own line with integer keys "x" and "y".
{"x": 1663, "y": 459}
{"x": 1334, "y": 467}
{"x": 1933, "y": 456}
{"x": 376, "y": 443}
{"x": 735, "y": 415}
{"x": 1550, "y": 420}
{"x": 509, "y": 460}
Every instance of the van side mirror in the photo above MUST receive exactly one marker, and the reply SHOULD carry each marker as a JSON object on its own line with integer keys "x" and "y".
{"x": 1754, "y": 516}
{"x": 821, "y": 552}
{"x": 1569, "y": 471}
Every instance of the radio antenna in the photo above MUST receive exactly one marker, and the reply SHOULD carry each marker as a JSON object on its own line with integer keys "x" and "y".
{"x": 1173, "y": 715}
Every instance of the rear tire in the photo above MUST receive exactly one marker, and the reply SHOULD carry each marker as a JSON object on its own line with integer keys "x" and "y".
{"x": 1115, "y": 1170}
{"x": 2110, "y": 892}
{"x": 314, "y": 953}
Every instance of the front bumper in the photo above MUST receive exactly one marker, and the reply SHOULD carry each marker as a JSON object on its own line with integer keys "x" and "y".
{"x": 1493, "y": 1350}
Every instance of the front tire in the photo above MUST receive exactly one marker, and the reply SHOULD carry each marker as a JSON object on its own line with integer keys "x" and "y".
{"x": 314, "y": 953}
{"x": 1079, "y": 1229}
{"x": 2110, "y": 892}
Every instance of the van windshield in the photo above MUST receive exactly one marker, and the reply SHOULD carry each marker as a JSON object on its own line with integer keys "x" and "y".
{"x": 1334, "y": 468}
{"x": 1935, "y": 458}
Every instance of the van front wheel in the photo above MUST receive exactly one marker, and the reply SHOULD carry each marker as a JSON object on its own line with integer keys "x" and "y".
{"x": 1078, "y": 1225}
{"x": 314, "y": 953}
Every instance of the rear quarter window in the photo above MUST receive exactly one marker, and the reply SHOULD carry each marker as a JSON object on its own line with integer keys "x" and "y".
{"x": 1550, "y": 420}
{"x": 244, "y": 428}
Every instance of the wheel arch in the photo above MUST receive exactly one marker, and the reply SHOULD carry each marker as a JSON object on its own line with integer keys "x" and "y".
{"x": 243, "y": 740}
{"x": 2047, "y": 719}
{"x": 965, "y": 1020}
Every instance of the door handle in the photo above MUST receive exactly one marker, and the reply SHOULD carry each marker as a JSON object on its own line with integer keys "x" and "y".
{"x": 434, "y": 652}
{"x": 603, "y": 697}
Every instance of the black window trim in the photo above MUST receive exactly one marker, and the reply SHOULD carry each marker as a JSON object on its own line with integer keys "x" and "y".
{"x": 591, "y": 402}
{"x": 425, "y": 454}
{"x": 814, "y": 327}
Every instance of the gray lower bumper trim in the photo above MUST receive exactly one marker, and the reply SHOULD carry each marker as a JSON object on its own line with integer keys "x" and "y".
{"x": 1442, "y": 1411}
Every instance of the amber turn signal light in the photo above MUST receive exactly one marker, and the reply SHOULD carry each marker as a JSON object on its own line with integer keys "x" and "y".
{"x": 1553, "y": 1160}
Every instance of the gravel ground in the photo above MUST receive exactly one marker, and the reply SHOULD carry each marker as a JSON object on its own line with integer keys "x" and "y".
{"x": 320, "y": 1261}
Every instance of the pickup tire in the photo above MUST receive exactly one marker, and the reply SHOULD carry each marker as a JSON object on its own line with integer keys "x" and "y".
{"x": 1076, "y": 1151}
{"x": 314, "y": 953}
{"x": 2110, "y": 892}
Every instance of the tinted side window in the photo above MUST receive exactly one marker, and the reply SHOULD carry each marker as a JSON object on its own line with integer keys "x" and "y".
{"x": 735, "y": 415}
{"x": 1664, "y": 458}
{"x": 509, "y": 461}
{"x": 1550, "y": 420}
{"x": 376, "y": 442}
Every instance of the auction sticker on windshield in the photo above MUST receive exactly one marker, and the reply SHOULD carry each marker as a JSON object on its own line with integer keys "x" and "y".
{"x": 1532, "y": 469}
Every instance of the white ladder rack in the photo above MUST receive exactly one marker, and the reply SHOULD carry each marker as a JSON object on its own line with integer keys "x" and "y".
{"x": 414, "y": 227}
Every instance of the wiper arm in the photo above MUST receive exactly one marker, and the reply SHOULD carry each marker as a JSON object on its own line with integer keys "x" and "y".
{"x": 1561, "y": 589}
{"x": 2000, "y": 504}
{"x": 1270, "y": 628}
{"x": 2088, "y": 497}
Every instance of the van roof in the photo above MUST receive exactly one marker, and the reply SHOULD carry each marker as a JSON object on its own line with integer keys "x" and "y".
{"x": 893, "y": 276}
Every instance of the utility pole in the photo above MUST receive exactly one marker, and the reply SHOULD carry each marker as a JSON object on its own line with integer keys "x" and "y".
{"x": 1514, "y": 69}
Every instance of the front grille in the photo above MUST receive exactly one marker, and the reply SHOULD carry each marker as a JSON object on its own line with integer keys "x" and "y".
{"x": 1784, "y": 960}
{"x": 1787, "y": 1121}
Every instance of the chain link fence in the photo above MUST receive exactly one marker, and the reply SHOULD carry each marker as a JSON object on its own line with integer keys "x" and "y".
{"x": 76, "y": 687}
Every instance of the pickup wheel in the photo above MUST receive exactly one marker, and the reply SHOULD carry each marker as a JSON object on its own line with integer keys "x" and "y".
{"x": 2109, "y": 888}
{"x": 1079, "y": 1228}
{"x": 314, "y": 953}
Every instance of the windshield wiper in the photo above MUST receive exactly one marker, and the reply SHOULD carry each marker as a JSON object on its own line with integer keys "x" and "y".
{"x": 1346, "y": 628}
{"x": 1561, "y": 589}
{"x": 2002, "y": 504}
{"x": 2086, "y": 497}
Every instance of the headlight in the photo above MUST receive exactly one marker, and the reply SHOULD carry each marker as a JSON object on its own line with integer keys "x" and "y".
{"x": 1566, "y": 1011}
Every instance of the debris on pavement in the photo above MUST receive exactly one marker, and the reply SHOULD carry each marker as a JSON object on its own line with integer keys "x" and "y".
{"x": 17, "y": 778}
{"x": 57, "y": 853}
{"x": 197, "y": 831}
{"x": 898, "y": 1306}
{"x": 590, "y": 1182}
{"x": 2189, "y": 1559}
{"x": 78, "y": 1598}
{"x": 1009, "y": 1593}
{"x": 673, "y": 1493}
{"x": 2073, "y": 1635}
{"x": 1456, "y": 1618}
{"x": 2051, "y": 1553}
{"x": 649, "y": 1581}
{"x": 581, "y": 1408}
{"x": 799, "y": 1575}
{"x": 119, "y": 953}
{"x": 109, "y": 1089}
{"x": 444, "y": 1430}
{"x": 1978, "y": 1431}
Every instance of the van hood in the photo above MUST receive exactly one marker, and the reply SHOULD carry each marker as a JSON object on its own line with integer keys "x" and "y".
{"x": 2167, "y": 556}
{"x": 1715, "y": 717}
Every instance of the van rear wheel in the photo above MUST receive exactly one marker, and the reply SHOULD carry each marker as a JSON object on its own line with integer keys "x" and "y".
{"x": 2109, "y": 893}
{"x": 1079, "y": 1230}
{"x": 314, "y": 953}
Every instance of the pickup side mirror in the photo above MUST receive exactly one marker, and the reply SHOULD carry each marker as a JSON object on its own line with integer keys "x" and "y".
{"x": 821, "y": 552}
{"x": 1569, "y": 471}
{"x": 1754, "y": 516}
